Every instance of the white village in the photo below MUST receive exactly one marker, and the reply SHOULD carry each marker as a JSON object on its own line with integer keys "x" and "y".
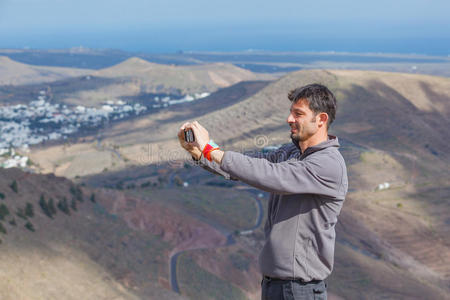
{"x": 24, "y": 125}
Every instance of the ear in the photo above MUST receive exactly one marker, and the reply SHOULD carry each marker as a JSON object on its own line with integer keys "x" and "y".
{"x": 323, "y": 119}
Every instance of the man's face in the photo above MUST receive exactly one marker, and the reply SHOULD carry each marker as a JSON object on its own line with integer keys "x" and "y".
{"x": 302, "y": 120}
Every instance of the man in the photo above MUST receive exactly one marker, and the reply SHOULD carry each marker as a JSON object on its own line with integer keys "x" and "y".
{"x": 308, "y": 183}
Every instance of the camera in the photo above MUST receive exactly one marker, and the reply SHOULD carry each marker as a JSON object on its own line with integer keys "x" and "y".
{"x": 189, "y": 136}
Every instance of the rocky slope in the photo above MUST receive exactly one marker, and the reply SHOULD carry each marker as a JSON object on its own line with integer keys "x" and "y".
{"x": 78, "y": 250}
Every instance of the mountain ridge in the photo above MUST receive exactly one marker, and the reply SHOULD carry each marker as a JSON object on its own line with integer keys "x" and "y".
{"x": 16, "y": 73}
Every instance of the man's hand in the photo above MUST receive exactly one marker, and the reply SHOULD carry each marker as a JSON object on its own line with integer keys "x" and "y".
{"x": 201, "y": 139}
{"x": 192, "y": 148}
{"x": 200, "y": 133}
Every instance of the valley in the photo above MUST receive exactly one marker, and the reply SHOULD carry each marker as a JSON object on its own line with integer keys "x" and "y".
{"x": 160, "y": 227}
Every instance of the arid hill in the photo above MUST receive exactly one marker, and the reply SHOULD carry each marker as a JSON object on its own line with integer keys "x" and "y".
{"x": 76, "y": 247}
{"x": 133, "y": 79}
{"x": 16, "y": 73}
{"x": 392, "y": 127}
{"x": 140, "y": 77}
{"x": 189, "y": 79}
{"x": 399, "y": 112}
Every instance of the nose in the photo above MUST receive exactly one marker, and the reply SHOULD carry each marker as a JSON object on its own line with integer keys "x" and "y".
{"x": 290, "y": 119}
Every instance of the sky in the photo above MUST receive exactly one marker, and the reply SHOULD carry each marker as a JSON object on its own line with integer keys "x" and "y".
{"x": 406, "y": 26}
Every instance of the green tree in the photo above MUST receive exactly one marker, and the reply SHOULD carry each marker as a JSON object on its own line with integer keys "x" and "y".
{"x": 2, "y": 196}
{"x": 14, "y": 186}
{"x": 93, "y": 197}
{"x": 145, "y": 184}
{"x": 4, "y": 211}
{"x": 29, "y": 226}
{"x": 2, "y": 228}
{"x": 13, "y": 222}
{"x": 63, "y": 206}
{"x": 51, "y": 206}
{"x": 44, "y": 206}
{"x": 77, "y": 193}
{"x": 29, "y": 210}
{"x": 73, "y": 204}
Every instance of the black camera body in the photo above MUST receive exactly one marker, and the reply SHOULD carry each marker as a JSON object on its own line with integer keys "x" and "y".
{"x": 189, "y": 136}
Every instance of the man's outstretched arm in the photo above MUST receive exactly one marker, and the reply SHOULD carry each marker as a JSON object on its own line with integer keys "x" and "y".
{"x": 319, "y": 175}
{"x": 196, "y": 153}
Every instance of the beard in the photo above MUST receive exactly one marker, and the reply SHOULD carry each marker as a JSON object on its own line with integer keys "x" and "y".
{"x": 296, "y": 137}
{"x": 305, "y": 130}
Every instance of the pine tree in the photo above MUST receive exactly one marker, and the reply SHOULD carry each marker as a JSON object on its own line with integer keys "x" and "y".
{"x": 2, "y": 228}
{"x": 13, "y": 222}
{"x": 74, "y": 204}
{"x": 4, "y": 211}
{"x": 29, "y": 226}
{"x": 77, "y": 193}
{"x": 93, "y": 197}
{"x": 29, "y": 211}
{"x": 63, "y": 206}
{"x": 51, "y": 206}
{"x": 14, "y": 186}
{"x": 44, "y": 207}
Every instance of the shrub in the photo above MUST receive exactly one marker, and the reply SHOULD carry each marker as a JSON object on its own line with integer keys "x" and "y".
{"x": 119, "y": 185}
{"x": 73, "y": 204}
{"x": 14, "y": 186}
{"x": 131, "y": 186}
{"x": 29, "y": 211}
{"x": 29, "y": 226}
{"x": 4, "y": 211}
{"x": 161, "y": 180}
{"x": 2, "y": 196}
{"x": 146, "y": 184}
{"x": 93, "y": 197}
{"x": 51, "y": 206}
{"x": 77, "y": 193}
{"x": 13, "y": 222}
{"x": 63, "y": 206}
{"x": 2, "y": 228}
{"x": 44, "y": 206}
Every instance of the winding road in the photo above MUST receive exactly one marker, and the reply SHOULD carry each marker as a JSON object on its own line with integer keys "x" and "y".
{"x": 229, "y": 240}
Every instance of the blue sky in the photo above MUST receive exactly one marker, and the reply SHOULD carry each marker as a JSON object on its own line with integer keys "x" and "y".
{"x": 168, "y": 25}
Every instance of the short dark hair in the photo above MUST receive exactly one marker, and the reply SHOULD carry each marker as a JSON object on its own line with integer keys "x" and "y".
{"x": 319, "y": 97}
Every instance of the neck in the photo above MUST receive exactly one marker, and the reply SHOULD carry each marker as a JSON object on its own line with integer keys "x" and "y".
{"x": 313, "y": 140}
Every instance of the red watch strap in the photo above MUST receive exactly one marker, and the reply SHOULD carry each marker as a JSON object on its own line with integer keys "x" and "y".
{"x": 208, "y": 155}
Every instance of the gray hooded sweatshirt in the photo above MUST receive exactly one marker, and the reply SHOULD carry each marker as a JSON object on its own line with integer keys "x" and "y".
{"x": 307, "y": 192}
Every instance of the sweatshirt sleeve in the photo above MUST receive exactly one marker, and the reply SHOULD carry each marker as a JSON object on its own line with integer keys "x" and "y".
{"x": 318, "y": 174}
{"x": 273, "y": 156}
